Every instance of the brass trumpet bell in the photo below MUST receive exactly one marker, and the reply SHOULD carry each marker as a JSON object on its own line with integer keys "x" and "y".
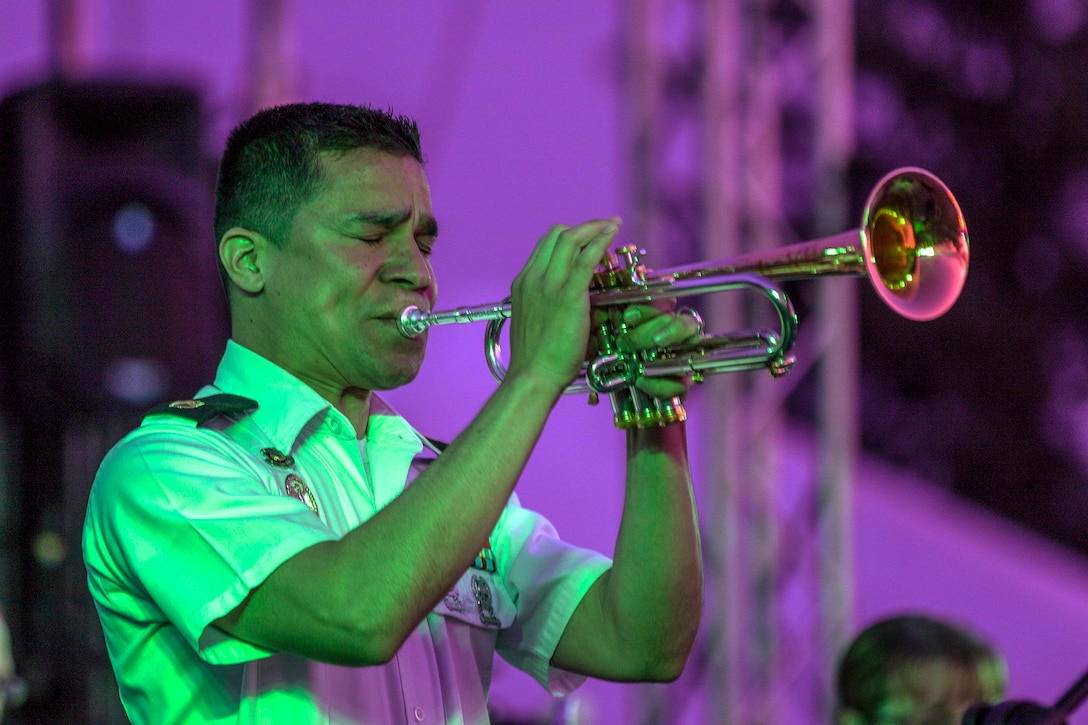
{"x": 912, "y": 245}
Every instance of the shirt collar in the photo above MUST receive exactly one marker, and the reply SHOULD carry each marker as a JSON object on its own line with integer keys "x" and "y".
{"x": 387, "y": 427}
{"x": 287, "y": 405}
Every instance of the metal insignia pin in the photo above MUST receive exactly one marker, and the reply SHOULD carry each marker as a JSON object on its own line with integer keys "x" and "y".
{"x": 186, "y": 404}
{"x": 277, "y": 458}
{"x": 453, "y": 602}
{"x": 484, "y": 607}
{"x": 295, "y": 487}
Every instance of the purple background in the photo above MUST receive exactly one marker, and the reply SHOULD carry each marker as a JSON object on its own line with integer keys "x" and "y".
{"x": 521, "y": 115}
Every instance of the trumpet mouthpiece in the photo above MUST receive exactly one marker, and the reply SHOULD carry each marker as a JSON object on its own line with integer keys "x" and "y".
{"x": 412, "y": 322}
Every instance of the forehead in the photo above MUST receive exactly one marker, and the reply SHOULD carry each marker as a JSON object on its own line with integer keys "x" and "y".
{"x": 375, "y": 175}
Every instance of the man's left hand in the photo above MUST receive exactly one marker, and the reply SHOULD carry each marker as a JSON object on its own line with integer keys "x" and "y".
{"x": 657, "y": 327}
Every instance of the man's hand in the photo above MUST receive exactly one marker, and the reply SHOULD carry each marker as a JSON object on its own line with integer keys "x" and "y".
{"x": 655, "y": 327}
{"x": 549, "y": 325}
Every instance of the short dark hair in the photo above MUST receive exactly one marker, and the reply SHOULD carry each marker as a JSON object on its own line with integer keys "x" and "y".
{"x": 897, "y": 643}
{"x": 270, "y": 166}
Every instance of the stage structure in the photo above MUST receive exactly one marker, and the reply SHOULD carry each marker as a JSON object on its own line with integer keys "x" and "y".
{"x": 740, "y": 134}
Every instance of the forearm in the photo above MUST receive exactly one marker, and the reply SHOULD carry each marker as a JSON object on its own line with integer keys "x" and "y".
{"x": 655, "y": 587}
{"x": 639, "y": 620}
{"x": 379, "y": 581}
{"x": 444, "y": 518}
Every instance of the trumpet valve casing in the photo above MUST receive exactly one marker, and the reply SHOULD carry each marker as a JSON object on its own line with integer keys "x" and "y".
{"x": 631, "y": 407}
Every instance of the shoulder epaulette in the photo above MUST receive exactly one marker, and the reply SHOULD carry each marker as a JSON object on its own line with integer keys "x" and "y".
{"x": 204, "y": 409}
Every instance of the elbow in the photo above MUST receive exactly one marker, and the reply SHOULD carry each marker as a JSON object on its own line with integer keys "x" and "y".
{"x": 361, "y": 651}
{"x": 667, "y": 667}
{"x": 661, "y": 660}
{"x": 669, "y": 672}
{"x": 363, "y": 640}
{"x": 371, "y": 653}
{"x": 669, "y": 658}
{"x": 375, "y": 645}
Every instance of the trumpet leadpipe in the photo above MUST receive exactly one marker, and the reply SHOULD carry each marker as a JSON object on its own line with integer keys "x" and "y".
{"x": 414, "y": 321}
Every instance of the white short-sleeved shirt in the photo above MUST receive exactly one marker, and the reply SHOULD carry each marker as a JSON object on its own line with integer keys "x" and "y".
{"x": 186, "y": 516}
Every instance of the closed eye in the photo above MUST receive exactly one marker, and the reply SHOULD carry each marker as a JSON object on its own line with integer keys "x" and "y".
{"x": 425, "y": 244}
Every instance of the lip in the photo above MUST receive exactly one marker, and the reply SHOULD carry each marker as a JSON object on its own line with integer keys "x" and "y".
{"x": 394, "y": 312}
{"x": 394, "y": 315}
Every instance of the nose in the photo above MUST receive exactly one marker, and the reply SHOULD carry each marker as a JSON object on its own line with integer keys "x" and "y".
{"x": 408, "y": 265}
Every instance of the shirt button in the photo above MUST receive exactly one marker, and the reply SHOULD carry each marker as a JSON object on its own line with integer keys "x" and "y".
{"x": 334, "y": 426}
{"x": 419, "y": 714}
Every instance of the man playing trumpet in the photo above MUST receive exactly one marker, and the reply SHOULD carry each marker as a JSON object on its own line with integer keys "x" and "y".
{"x": 284, "y": 548}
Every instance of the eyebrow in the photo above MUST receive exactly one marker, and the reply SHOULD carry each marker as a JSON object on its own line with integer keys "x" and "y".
{"x": 428, "y": 225}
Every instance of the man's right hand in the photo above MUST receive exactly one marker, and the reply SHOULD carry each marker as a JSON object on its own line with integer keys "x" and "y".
{"x": 550, "y": 320}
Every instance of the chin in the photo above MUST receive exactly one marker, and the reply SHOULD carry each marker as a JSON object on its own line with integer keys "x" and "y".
{"x": 394, "y": 384}
{"x": 396, "y": 377}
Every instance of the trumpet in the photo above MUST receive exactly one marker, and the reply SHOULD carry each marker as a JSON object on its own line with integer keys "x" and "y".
{"x": 912, "y": 245}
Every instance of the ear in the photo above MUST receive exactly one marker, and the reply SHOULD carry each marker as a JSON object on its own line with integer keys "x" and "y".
{"x": 240, "y": 252}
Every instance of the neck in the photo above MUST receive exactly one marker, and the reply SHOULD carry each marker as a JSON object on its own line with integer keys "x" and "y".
{"x": 354, "y": 403}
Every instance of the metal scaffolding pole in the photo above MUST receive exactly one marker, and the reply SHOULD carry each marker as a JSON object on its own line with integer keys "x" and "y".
{"x": 712, "y": 86}
{"x": 837, "y": 315}
{"x": 272, "y": 61}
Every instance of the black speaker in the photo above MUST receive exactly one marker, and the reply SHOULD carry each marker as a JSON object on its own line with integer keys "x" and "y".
{"x": 110, "y": 302}
{"x": 112, "y": 296}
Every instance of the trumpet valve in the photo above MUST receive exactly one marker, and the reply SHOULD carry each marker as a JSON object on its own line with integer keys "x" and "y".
{"x": 631, "y": 408}
{"x": 622, "y": 268}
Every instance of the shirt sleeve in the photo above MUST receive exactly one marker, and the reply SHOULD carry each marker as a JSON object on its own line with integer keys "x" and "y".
{"x": 547, "y": 578}
{"x": 181, "y": 525}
